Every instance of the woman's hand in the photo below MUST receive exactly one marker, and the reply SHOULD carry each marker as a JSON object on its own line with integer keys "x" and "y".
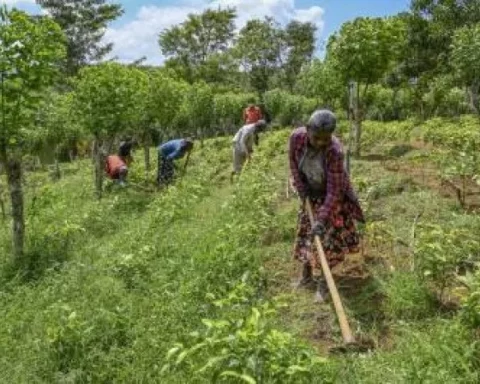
{"x": 319, "y": 229}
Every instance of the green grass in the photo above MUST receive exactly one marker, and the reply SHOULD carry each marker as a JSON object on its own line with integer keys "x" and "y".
{"x": 110, "y": 287}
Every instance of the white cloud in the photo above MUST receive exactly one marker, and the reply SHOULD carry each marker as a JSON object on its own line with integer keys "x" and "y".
{"x": 140, "y": 37}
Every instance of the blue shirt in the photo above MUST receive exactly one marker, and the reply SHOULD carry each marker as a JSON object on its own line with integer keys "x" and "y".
{"x": 172, "y": 149}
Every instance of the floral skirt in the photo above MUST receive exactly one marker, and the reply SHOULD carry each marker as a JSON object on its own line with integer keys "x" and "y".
{"x": 341, "y": 236}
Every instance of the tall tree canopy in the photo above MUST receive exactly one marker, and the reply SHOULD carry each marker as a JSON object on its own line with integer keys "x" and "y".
{"x": 299, "y": 40}
{"x": 431, "y": 25}
{"x": 259, "y": 49}
{"x": 466, "y": 60}
{"x": 191, "y": 44}
{"x": 84, "y": 23}
{"x": 364, "y": 50}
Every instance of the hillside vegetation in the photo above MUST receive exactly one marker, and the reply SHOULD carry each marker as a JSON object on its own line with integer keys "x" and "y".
{"x": 194, "y": 284}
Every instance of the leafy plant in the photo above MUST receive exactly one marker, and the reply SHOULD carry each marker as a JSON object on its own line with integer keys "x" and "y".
{"x": 471, "y": 302}
{"x": 242, "y": 345}
{"x": 440, "y": 252}
{"x": 407, "y": 297}
{"x": 465, "y": 165}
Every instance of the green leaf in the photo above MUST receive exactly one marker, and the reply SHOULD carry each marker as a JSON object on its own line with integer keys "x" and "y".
{"x": 246, "y": 378}
{"x": 211, "y": 363}
{"x": 181, "y": 357}
{"x": 172, "y": 351}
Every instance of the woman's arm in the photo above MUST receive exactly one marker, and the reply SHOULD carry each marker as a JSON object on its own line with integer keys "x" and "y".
{"x": 335, "y": 183}
{"x": 297, "y": 180}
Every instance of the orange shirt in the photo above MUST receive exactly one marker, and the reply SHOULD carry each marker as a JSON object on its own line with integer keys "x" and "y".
{"x": 113, "y": 164}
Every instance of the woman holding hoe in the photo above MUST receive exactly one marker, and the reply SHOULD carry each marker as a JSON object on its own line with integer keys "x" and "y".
{"x": 317, "y": 167}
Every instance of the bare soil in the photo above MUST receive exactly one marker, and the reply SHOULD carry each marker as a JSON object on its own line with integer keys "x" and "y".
{"x": 427, "y": 175}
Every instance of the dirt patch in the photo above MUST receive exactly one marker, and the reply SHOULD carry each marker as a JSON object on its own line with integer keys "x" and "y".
{"x": 467, "y": 193}
{"x": 427, "y": 175}
{"x": 375, "y": 157}
{"x": 310, "y": 321}
{"x": 314, "y": 322}
{"x": 423, "y": 174}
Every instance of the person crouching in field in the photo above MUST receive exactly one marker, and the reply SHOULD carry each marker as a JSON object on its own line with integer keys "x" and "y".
{"x": 116, "y": 169}
{"x": 125, "y": 150}
{"x": 318, "y": 172}
{"x": 167, "y": 153}
{"x": 243, "y": 142}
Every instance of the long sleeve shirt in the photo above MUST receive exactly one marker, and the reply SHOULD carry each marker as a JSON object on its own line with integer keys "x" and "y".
{"x": 172, "y": 149}
{"x": 113, "y": 164}
{"x": 338, "y": 184}
{"x": 245, "y": 138}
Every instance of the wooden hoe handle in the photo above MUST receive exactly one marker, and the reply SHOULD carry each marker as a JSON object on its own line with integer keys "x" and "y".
{"x": 186, "y": 162}
{"x": 337, "y": 302}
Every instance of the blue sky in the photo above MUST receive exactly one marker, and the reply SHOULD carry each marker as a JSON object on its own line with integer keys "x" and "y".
{"x": 136, "y": 33}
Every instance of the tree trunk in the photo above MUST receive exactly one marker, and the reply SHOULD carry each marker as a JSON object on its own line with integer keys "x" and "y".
{"x": 200, "y": 134}
{"x": 2, "y": 204}
{"x": 57, "y": 175}
{"x": 396, "y": 113}
{"x": 73, "y": 152}
{"x": 357, "y": 126}
{"x": 13, "y": 167}
{"x": 146, "y": 155}
{"x": 356, "y": 119}
{"x": 474, "y": 98}
{"x": 347, "y": 161}
{"x": 351, "y": 114}
{"x": 99, "y": 166}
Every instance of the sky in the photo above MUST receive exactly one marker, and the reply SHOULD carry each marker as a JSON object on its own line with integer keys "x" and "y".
{"x": 135, "y": 34}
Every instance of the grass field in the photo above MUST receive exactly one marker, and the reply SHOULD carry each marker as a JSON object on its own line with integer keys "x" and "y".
{"x": 194, "y": 284}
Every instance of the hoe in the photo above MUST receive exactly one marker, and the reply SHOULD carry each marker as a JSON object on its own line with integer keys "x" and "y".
{"x": 350, "y": 343}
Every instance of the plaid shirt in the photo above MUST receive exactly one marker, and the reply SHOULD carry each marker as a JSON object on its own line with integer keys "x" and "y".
{"x": 337, "y": 179}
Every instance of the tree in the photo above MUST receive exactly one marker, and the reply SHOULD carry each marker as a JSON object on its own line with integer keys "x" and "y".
{"x": 197, "y": 111}
{"x": 364, "y": 51}
{"x": 299, "y": 40}
{"x": 84, "y": 23}
{"x": 57, "y": 126}
{"x": 431, "y": 25}
{"x": 29, "y": 49}
{"x": 107, "y": 98}
{"x": 322, "y": 81}
{"x": 466, "y": 61}
{"x": 190, "y": 45}
{"x": 221, "y": 70}
{"x": 161, "y": 101}
{"x": 259, "y": 49}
